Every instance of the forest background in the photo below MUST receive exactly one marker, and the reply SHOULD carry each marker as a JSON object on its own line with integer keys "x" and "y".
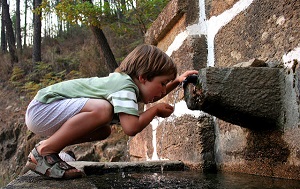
{"x": 70, "y": 39}
{"x": 84, "y": 38}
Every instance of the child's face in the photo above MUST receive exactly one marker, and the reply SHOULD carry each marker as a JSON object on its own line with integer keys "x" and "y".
{"x": 156, "y": 88}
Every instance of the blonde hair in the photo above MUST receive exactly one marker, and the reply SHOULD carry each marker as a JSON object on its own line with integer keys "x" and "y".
{"x": 147, "y": 61}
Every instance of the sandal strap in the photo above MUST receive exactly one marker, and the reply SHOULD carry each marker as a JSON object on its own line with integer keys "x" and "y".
{"x": 41, "y": 166}
{"x": 52, "y": 163}
{"x": 58, "y": 166}
{"x": 56, "y": 172}
{"x": 52, "y": 159}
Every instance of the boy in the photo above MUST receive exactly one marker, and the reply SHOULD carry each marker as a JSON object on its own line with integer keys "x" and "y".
{"x": 81, "y": 110}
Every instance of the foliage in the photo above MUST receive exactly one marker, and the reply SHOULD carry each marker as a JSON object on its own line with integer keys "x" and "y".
{"x": 17, "y": 74}
{"x": 121, "y": 15}
{"x": 143, "y": 13}
{"x": 79, "y": 12}
{"x": 42, "y": 75}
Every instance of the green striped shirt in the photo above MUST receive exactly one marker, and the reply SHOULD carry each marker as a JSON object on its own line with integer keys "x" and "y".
{"x": 118, "y": 88}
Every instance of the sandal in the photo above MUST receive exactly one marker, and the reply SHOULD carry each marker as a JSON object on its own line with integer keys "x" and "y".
{"x": 51, "y": 166}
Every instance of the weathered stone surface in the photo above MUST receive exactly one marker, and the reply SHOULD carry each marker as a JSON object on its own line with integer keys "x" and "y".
{"x": 170, "y": 36}
{"x": 258, "y": 152}
{"x": 192, "y": 54}
{"x": 184, "y": 12}
{"x": 218, "y": 6}
{"x": 165, "y": 21}
{"x": 252, "y": 63}
{"x": 249, "y": 97}
{"x": 141, "y": 146}
{"x": 193, "y": 144}
{"x": 266, "y": 31}
{"x": 98, "y": 168}
{"x": 34, "y": 181}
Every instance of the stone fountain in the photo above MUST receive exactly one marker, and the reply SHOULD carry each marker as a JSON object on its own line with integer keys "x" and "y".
{"x": 251, "y": 97}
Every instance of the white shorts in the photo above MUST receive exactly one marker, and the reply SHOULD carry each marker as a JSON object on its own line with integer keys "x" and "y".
{"x": 45, "y": 119}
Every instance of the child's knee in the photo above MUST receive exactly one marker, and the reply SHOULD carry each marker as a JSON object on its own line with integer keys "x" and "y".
{"x": 107, "y": 112}
{"x": 102, "y": 110}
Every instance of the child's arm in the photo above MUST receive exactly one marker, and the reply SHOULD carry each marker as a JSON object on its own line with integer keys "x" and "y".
{"x": 134, "y": 124}
{"x": 173, "y": 84}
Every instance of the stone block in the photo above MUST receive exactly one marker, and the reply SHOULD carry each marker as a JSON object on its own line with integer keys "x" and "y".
{"x": 140, "y": 146}
{"x": 165, "y": 21}
{"x": 249, "y": 97}
{"x": 191, "y": 143}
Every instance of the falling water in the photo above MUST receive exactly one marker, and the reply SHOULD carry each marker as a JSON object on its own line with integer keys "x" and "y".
{"x": 179, "y": 110}
{"x": 176, "y": 95}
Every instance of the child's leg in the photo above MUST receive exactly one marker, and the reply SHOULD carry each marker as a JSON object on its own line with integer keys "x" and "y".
{"x": 95, "y": 115}
{"x": 99, "y": 134}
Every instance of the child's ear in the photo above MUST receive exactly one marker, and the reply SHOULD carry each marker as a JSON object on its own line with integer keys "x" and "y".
{"x": 141, "y": 79}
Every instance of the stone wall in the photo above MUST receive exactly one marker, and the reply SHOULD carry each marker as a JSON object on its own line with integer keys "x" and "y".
{"x": 221, "y": 33}
{"x": 178, "y": 137}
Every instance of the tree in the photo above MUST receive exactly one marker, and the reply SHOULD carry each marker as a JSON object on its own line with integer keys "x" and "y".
{"x": 18, "y": 26}
{"x": 105, "y": 48}
{"x": 86, "y": 13}
{"x": 37, "y": 29}
{"x": 25, "y": 23}
{"x": 3, "y": 38}
{"x": 9, "y": 32}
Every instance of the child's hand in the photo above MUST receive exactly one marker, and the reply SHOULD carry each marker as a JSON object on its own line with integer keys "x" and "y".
{"x": 179, "y": 79}
{"x": 164, "y": 110}
{"x": 183, "y": 76}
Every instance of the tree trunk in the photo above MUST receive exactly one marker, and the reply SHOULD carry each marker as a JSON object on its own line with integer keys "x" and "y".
{"x": 3, "y": 37}
{"x": 25, "y": 23}
{"x": 37, "y": 28}
{"x": 105, "y": 49}
{"x": 9, "y": 32}
{"x": 18, "y": 27}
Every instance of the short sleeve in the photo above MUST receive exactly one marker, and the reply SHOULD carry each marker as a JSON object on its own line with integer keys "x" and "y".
{"x": 124, "y": 101}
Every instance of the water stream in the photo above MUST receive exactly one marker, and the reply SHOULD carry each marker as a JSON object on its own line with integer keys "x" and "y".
{"x": 180, "y": 108}
{"x": 157, "y": 121}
